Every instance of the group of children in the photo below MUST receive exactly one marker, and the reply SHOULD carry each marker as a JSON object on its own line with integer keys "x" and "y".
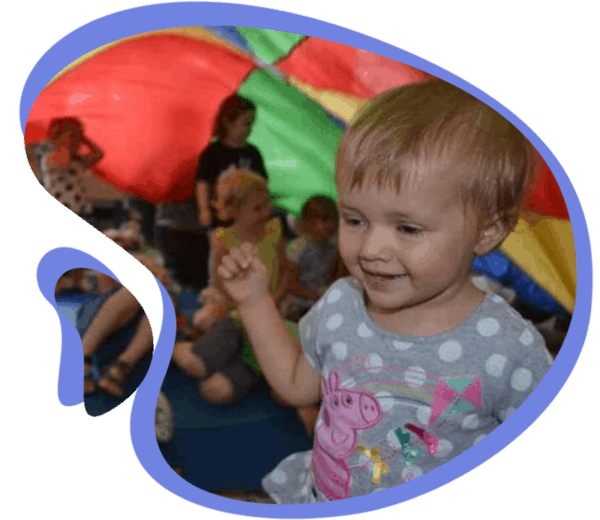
{"x": 402, "y": 362}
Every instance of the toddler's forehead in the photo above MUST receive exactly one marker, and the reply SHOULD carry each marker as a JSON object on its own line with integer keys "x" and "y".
{"x": 429, "y": 178}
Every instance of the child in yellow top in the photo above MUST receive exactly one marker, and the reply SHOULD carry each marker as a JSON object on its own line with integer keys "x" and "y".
{"x": 217, "y": 358}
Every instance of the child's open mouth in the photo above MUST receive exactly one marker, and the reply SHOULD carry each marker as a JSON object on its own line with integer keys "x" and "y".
{"x": 381, "y": 278}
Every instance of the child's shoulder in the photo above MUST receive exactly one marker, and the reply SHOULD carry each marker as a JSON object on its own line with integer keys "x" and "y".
{"x": 344, "y": 291}
{"x": 497, "y": 318}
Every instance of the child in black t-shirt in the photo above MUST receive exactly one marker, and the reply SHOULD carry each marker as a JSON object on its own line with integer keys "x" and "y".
{"x": 230, "y": 150}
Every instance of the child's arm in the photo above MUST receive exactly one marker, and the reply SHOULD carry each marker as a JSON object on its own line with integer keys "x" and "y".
{"x": 114, "y": 314}
{"x": 286, "y": 275}
{"x": 245, "y": 278}
{"x": 95, "y": 155}
{"x": 202, "y": 201}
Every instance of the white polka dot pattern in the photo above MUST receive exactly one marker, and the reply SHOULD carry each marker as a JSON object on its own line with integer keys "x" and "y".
{"x": 334, "y": 296}
{"x": 423, "y": 414}
{"x": 402, "y": 345}
{"x": 363, "y": 331}
{"x": 479, "y": 438}
{"x": 487, "y": 327}
{"x": 279, "y": 477}
{"x": 526, "y": 338}
{"x": 470, "y": 422}
{"x": 495, "y": 364}
{"x": 411, "y": 472}
{"x": 374, "y": 362}
{"x": 521, "y": 379}
{"x": 450, "y": 351}
{"x": 340, "y": 350}
{"x": 335, "y": 321}
{"x": 444, "y": 448}
{"x": 393, "y": 440}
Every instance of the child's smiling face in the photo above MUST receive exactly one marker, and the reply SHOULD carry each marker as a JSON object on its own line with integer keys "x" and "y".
{"x": 409, "y": 250}
{"x": 255, "y": 211}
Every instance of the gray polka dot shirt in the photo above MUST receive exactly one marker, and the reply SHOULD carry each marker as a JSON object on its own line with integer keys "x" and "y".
{"x": 396, "y": 407}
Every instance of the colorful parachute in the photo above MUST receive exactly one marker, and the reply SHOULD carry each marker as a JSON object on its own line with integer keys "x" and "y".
{"x": 153, "y": 118}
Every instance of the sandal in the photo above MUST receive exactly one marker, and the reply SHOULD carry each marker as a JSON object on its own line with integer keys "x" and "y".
{"x": 88, "y": 379}
{"x": 115, "y": 378}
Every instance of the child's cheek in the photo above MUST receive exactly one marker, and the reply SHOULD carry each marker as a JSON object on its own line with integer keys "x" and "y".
{"x": 422, "y": 253}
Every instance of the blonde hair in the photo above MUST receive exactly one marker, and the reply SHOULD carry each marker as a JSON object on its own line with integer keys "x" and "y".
{"x": 434, "y": 126}
{"x": 233, "y": 188}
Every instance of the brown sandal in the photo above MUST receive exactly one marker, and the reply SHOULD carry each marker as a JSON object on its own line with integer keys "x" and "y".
{"x": 116, "y": 375}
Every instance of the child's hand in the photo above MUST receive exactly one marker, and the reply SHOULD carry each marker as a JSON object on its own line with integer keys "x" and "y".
{"x": 61, "y": 158}
{"x": 243, "y": 275}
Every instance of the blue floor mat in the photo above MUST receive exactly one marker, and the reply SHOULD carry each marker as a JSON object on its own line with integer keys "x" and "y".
{"x": 217, "y": 448}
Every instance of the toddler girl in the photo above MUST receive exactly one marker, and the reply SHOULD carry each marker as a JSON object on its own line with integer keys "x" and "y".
{"x": 314, "y": 256}
{"x": 414, "y": 364}
{"x": 217, "y": 359}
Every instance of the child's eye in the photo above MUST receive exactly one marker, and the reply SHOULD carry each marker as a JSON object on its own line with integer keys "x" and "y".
{"x": 353, "y": 221}
{"x": 410, "y": 229}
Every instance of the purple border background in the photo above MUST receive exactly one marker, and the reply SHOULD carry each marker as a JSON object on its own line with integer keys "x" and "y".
{"x": 539, "y": 62}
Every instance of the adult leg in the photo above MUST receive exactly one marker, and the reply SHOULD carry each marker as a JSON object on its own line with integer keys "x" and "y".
{"x": 116, "y": 312}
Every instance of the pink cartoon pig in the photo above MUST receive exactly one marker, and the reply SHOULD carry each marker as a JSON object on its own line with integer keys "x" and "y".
{"x": 344, "y": 413}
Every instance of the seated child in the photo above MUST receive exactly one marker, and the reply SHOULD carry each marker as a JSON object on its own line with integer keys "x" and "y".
{"x": 217, "y": 358}
{"x": 413, "y": 362}
{"x": 226, "y": 372}
{"x": 314, "y": 256}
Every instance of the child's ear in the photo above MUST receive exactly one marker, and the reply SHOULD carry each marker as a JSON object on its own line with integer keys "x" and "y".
{"x": 493, "y": 232}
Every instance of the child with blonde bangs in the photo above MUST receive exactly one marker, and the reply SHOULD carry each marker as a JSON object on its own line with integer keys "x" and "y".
{"x": 217, "y": 358}
{"x": 414, "y": 364}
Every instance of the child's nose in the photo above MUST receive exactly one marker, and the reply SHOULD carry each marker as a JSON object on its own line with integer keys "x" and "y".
{"x": 378, "y": 244}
